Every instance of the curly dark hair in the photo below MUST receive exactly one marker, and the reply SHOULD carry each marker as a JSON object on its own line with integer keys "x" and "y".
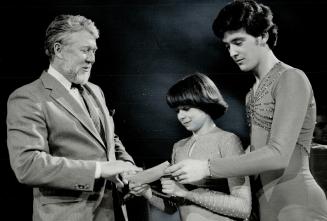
{"x": 255, "y": 18}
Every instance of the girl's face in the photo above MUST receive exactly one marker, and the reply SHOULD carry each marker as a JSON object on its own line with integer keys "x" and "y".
{"x": 193, "y": 119}
{"x": 243, "y": 48}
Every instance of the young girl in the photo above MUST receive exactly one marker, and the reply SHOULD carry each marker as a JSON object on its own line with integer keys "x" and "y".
{"x": 198, "y": 102}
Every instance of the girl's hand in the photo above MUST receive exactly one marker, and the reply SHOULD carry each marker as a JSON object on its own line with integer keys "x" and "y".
{"x": 140, "y": 190}
{"x": 173, "y": 188}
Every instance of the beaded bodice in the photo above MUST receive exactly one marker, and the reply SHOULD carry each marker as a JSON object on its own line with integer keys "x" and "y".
{"x": 260, "y": 104}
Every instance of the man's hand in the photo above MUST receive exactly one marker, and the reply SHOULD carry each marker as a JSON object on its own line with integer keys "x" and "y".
{"x": 110, "y": 170}
{"x": 189, "y": 171}
{"x": 124, "y": 175}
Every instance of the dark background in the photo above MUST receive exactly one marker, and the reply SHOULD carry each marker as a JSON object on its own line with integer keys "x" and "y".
{"x": 145, "y": 47}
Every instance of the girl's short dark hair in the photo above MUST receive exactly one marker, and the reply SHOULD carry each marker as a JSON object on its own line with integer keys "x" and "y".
{"x": 198, "y": 91}
{"x": 255, "y": 18}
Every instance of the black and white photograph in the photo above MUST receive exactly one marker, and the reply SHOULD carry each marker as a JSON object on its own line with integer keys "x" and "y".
{"x": 157, "y": 110}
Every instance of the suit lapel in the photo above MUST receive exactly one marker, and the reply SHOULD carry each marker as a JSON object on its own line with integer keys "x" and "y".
{"x": 107, "y": 119}
{"x": 62, "y": 96}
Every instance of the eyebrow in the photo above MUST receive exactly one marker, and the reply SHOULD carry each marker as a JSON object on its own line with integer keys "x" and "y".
{"x": 238, "y": 39}
{"x": 234, "y": 40}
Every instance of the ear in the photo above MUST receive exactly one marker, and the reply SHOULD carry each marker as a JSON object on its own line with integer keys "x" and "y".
{"x": 57, "y": 48}
{"x": 264, "y": 39}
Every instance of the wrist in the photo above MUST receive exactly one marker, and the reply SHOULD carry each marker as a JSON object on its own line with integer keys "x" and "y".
{"x": 183, "y": 193}
{"x": 189, "y": 195}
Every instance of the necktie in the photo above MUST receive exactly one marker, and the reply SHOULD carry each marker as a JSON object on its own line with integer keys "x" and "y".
{"x": 94, "y": 115}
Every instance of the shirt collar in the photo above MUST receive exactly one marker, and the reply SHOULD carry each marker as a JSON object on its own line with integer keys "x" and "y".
{"x": 54, "y": 73}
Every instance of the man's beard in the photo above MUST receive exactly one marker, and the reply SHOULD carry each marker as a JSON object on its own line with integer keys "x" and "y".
{"x": 78, "y": 77}
{"x": 81, "y": 78}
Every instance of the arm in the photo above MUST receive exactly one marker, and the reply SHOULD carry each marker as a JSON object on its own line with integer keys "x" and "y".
{"x": 235, "y": 204}
{"x": 156, "y": 199}
{"x": 31, "y": 156}
{"x": 292, "y": 96}
{"x": 29, "y": 150}
{"x": 120, "y": 151}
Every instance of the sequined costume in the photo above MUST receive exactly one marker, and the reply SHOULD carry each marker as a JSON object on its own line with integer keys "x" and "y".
{"x": 281, "y": 114}
{"x": 210, "y": 199}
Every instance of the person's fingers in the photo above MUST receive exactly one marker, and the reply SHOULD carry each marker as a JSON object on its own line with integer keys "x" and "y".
{"x": 132, "y": 185}
{"x": 133, "y": 169}
{"x": 184, "y": 181}
{"x": 166, "y": 190}
{"x": 135, "y": 185}
{"x": 173, "y": 168}
{"x": 178, "y": 172}
{"x": 119, "y": 183}
{"x": 182, "y": 177}
{"x": 166, "y": 182}
{"x": 124, "y": 177}
{"x": 164, "y": 178}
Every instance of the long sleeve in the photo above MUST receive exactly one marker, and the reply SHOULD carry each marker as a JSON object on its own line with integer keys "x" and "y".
{"x": 238, "y": 202}
{"x": 292, "y": 97}
{"x": 120, "y": 151}
{"x": 30, "y": 152}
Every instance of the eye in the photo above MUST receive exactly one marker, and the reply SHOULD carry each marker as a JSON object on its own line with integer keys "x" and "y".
{"x": 88, "y": 50}
{"x": 84, "y": 50}
{"x": 238, "y": 42}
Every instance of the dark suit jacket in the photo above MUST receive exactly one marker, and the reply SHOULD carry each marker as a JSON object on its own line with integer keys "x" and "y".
{"x": 53, "y": 146}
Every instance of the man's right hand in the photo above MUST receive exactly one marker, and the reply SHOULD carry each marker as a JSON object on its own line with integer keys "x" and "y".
{"x": 109, "y": 170}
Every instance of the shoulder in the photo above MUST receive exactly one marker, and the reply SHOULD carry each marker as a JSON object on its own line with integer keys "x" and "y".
{"x": 28, "y": 90}
{"x": 94, "y": 86}
{"x": 230, "y": 144}
{"x": 181, "y": 142}
{"x": 293, "y": 80}
{"x": 225, "y": 136}
{"x": 96, "y": 89}
{"x": 291, "y": 74}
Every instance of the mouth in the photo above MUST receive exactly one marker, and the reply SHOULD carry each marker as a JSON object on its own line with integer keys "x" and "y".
{"x": 239, "y": 61}
{"x": 87, "y": 68}
{"x": 186, "y": 123}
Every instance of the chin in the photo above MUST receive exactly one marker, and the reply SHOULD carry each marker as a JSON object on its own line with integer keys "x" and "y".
{"x": 82, "y": 78}
{"x": 244, "y": 68}
{"x": 189, "y": 128}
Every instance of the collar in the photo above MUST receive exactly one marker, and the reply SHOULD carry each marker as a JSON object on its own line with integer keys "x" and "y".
{"x": 54, "y": 73}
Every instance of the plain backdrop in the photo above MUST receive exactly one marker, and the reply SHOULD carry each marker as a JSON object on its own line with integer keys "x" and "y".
{"x": 145, "y": 46}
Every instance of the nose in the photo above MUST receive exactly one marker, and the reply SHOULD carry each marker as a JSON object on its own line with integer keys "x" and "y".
{"x": 181, "y": 115}
{"x": 232, "y": 51}
{"x": 90, "y": 57}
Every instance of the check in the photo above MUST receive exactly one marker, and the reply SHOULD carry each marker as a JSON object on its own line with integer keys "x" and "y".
{"x": 149, "y": 175}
